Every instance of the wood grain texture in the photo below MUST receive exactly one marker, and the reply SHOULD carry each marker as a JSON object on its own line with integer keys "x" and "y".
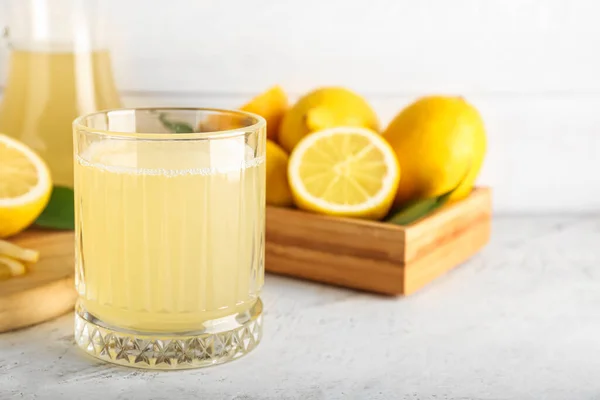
{"x": 374, "y": 256}
{"x": 446, "y": 225}
{"x": 47, "y": 290}
{"x": 445, "y": 256}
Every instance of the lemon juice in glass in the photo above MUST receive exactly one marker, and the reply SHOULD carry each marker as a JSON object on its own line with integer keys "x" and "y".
{"x": 170, "y": 218}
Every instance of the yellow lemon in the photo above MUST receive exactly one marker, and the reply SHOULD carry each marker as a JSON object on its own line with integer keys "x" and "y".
{"x": 324, "y": 108}
{"x": 344, "y": 171}
{"x": 25, "y": 186}
{"x": 278, "y": 189}
{"x": 440, "y": 141}
{"x": 271, "y": 105}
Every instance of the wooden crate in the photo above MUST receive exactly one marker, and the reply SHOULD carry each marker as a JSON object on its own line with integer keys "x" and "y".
{"x": 376, "y": 256}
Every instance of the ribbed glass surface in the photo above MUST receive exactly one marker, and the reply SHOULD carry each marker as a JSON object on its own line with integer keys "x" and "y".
{"x": 169, "y": 234}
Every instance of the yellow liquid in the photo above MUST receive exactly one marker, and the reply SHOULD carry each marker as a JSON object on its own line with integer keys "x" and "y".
{"x": 45, "y": 92}
{"x": 170, "y": 235}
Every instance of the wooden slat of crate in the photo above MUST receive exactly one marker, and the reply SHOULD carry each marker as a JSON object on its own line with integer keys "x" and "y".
{"x": 375, "y": 256}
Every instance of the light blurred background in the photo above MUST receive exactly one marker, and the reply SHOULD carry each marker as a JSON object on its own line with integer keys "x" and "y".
{"x": 530, "y": 66}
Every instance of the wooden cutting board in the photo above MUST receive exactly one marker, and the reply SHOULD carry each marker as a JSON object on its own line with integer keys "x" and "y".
{"x": 47, "y": 290}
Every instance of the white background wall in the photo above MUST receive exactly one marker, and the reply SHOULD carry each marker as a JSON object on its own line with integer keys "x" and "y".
{"x": 532, "y": 67}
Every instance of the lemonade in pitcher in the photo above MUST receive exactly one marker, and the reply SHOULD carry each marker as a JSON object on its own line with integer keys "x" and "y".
{"x": 55, "y": 73}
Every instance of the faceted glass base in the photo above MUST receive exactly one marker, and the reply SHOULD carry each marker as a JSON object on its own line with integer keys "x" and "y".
{"x": 227, "y": 339}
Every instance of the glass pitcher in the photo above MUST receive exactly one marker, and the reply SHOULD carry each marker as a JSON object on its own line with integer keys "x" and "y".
{"x": 59, "y": 68}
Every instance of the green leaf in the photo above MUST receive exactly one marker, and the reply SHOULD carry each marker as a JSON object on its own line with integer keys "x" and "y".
{"x": 60, "y": 211}
{"x": 175, "y": 126}
{"x": 419, "y": 209}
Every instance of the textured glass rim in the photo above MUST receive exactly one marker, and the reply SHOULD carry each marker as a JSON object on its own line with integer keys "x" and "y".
{"x": 258, "y": 123}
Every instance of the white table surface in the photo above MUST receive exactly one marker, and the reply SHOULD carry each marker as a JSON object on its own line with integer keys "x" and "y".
{"x": 521, "y": 320}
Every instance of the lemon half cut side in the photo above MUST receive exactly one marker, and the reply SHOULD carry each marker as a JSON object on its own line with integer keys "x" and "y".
{"x": 344, "y": 171}
{"x": 25, "y": 186}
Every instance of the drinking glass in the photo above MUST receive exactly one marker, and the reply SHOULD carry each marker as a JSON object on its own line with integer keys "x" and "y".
{"x": 169, "y": 236}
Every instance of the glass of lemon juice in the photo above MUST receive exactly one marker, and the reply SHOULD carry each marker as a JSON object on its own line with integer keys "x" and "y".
{"x": 170, "y": 222}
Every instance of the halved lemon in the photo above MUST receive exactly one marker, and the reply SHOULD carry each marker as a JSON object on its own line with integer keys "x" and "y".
{"x": 344, "y": 171}
{"x": 25, "y": 186}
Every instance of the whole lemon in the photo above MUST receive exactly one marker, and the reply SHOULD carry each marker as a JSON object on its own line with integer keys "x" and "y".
{"x": 271, "y": 105}
{"x": 325, "y": 107}
{"x": 440, "y": 142}
{"x": 278, "y": 189}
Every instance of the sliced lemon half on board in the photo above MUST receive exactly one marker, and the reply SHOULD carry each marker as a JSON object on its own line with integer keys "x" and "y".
{"x": 25, "y": 186}
{"x": 344, "y": 171}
